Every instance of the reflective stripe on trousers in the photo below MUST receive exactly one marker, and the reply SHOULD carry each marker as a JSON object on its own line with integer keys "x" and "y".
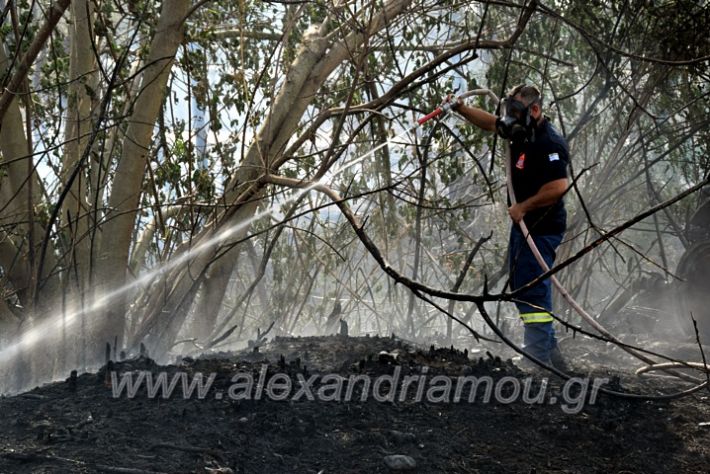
{"x": 540, "y": 317}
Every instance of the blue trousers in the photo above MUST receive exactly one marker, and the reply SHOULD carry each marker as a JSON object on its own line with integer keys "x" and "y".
{"x": 535, "y": 302}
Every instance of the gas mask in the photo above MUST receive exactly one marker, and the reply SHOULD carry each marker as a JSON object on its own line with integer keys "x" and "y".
{"x": 517, "y": 125}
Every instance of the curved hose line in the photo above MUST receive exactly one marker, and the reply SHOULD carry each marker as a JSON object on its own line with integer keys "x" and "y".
{"x": 636, "y": 396}
{"x": 674, "y": 365}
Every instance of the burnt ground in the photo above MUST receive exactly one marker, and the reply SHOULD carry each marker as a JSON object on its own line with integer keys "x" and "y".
{"x": 78, "y": 426}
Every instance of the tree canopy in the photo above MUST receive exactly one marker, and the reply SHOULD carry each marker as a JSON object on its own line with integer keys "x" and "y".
{"x": 180, "y": 173}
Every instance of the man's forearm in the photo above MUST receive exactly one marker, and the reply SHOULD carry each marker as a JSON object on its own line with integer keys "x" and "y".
{"x": 478, "y": 117}
{"x": 548, "y": 195}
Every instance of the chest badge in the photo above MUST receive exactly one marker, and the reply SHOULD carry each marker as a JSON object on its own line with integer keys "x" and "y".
{"x": 521, "y": 161}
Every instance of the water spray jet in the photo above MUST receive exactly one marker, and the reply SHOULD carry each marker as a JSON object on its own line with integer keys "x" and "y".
{"x": 47, "y": 329}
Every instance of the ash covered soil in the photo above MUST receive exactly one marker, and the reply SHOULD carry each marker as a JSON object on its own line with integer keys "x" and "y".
{"x": 78, "y": 425}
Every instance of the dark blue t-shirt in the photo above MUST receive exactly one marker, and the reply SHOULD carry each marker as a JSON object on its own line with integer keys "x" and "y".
{"x": 534, "y": 164}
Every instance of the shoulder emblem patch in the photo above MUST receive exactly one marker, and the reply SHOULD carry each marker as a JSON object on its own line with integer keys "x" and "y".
{"x": 554, "y": 157}
{"x": 521, "y": 161}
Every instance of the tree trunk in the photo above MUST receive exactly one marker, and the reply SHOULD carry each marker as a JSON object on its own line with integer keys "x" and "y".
{"x": 212, "y": 293}
{"x": 130, "y": 171}
{"x": 19, "y": 202}
{"x": 76, "y": 210}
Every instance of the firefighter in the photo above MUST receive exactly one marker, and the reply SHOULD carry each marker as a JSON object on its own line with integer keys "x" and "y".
{"x": 539, "y": 161}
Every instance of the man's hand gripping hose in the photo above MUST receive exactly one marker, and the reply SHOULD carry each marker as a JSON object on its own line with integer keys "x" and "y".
{"x": 452, "y": 101}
